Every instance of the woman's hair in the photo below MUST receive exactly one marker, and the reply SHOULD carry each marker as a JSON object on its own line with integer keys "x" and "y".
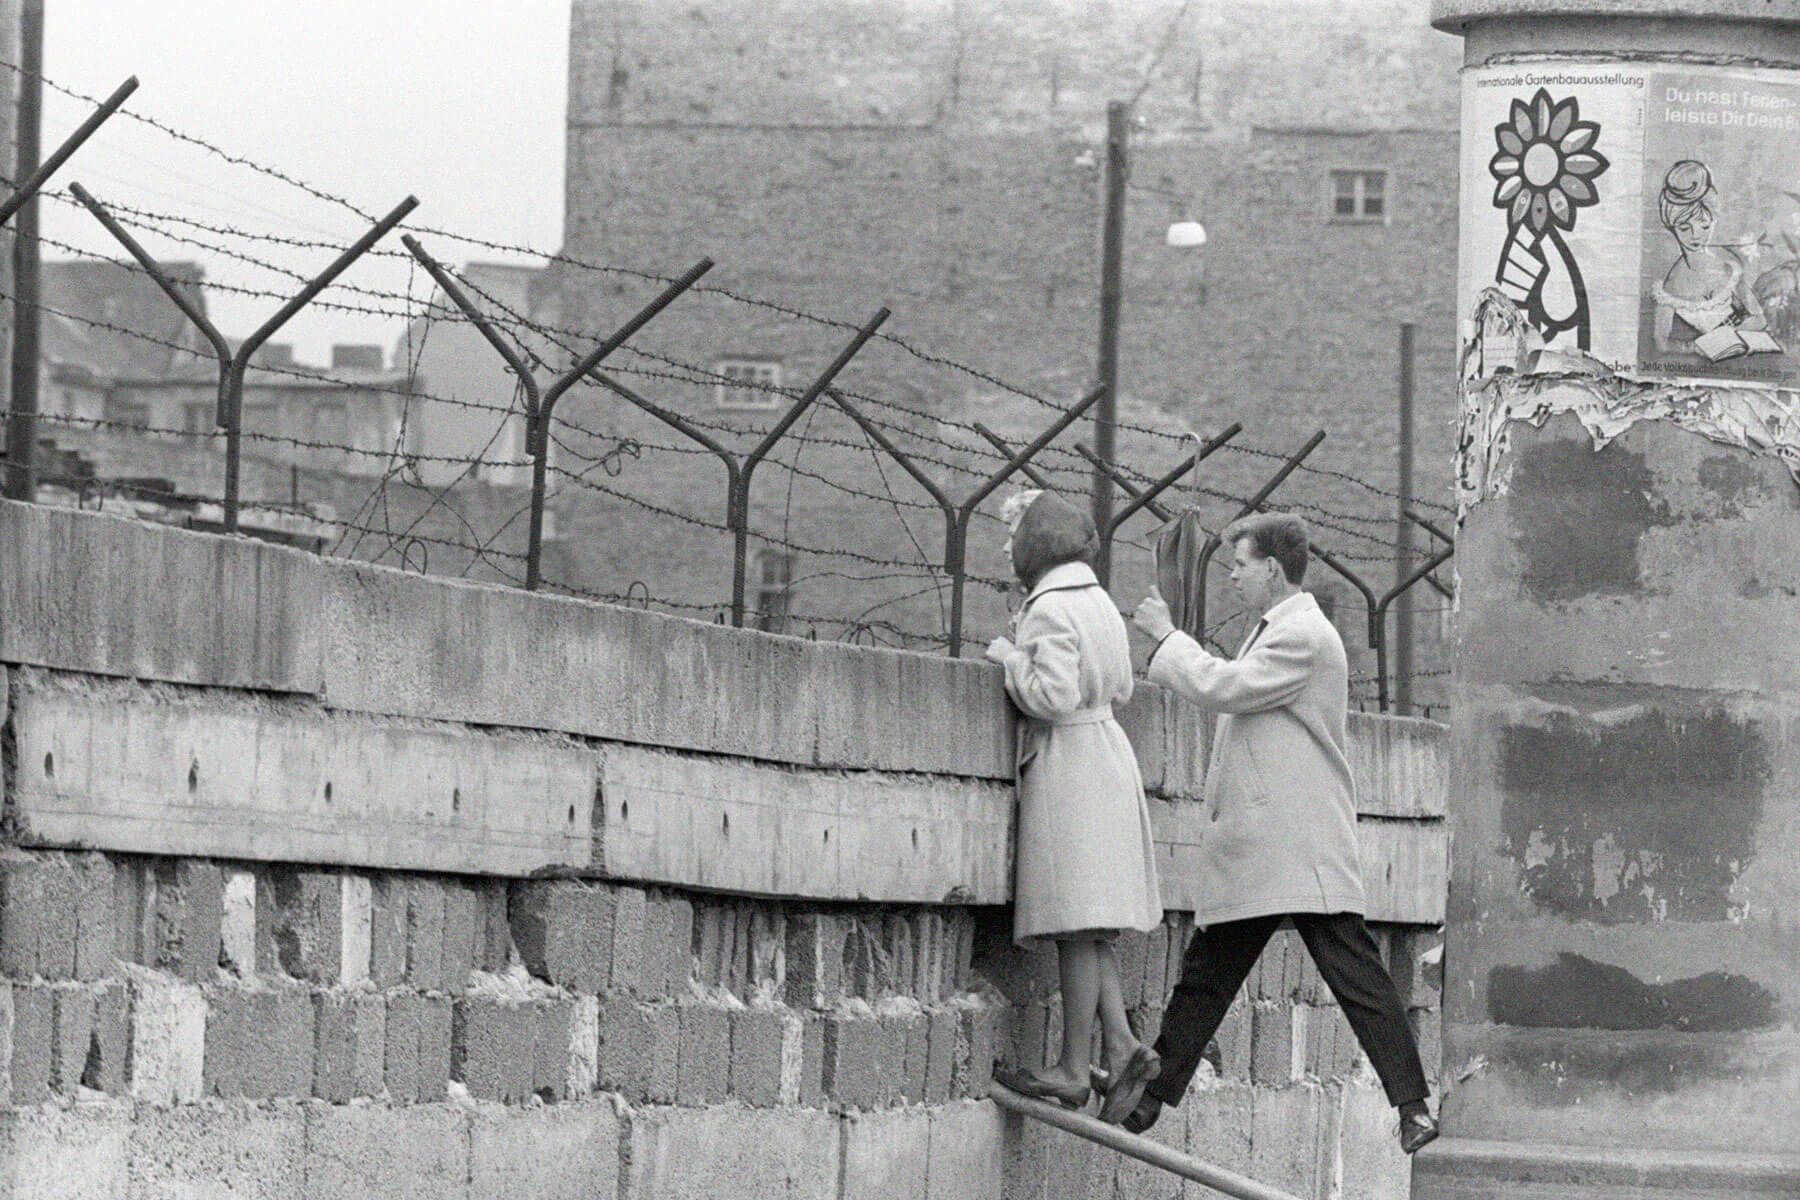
{"x": 1686, "y": 190}
{"x": 1052, "y": 532}
{"x": 1280, "y": 536}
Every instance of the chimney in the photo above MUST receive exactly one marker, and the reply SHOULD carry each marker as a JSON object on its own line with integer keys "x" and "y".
{"x": 356, "y": 358}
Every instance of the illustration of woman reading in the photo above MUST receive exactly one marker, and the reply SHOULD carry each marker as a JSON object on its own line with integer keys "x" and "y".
{"x": 1705, "y": 286}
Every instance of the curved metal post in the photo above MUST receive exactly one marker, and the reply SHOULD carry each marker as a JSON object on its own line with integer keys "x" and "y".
{"x": 1146, "y": 497}
{"x": 36, "y": 180}
{"x": 1437, "y": 585}
{"x": 906, "y": 463}
{"x": 1006, "y": 451}
{"x": 739, "y": 516}
{"x": 956, "y": 555}
{"x": 1378, "y": 621}
{"x": 1255, "y": 502}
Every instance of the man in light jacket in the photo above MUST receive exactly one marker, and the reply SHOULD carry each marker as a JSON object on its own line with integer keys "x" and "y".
{"x": 1281, "y": 840}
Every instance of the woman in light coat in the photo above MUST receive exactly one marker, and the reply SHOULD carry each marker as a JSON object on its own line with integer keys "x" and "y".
{"x": 1085, "y": 863}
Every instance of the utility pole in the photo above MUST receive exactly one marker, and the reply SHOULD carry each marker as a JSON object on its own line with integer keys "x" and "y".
{"x": 1112, "y": 248}
{"x": 21, "y": 428}
{"x": 1403, "y": 550}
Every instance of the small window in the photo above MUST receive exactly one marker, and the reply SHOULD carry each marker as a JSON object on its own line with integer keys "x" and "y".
{"x": 747, "y": 383}
{"x": 774, "y": 588}
{"x": 1359, "y": 196}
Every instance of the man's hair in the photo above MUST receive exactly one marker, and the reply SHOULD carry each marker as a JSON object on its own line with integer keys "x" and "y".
{"x": 1280, "y": 536}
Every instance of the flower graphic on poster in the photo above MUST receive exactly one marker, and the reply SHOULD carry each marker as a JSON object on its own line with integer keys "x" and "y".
{"x": 1545, "y": 171}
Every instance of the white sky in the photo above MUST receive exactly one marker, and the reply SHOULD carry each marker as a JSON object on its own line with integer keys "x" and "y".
{"x": 458, "y": 102}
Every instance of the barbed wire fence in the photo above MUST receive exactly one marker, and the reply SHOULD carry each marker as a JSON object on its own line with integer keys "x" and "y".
{"x": 581, "y": 463}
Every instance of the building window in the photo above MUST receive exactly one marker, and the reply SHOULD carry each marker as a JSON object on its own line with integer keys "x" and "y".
{"x": 774, "y": 589}
{"x": 746, "y": 383}
{"x": 1359, "y": 196}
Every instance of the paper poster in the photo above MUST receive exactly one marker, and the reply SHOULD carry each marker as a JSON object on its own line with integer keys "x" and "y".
{"x": 1633, "y": 221}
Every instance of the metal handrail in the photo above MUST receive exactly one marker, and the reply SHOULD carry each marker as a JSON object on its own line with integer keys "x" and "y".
{"x": 1132, "y": 1146}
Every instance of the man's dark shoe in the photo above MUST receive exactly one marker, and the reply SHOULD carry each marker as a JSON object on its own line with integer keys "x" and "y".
{"x": 1143, "y": 1116}
{"x": 1418, "y": 1128}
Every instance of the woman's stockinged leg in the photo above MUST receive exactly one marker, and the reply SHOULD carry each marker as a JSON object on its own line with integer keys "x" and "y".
{"x": 1117, "y": 1039}
{"x": 1079, "y": 962}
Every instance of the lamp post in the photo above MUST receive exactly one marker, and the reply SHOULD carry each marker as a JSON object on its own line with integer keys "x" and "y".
{"x": 1182, "y": 234}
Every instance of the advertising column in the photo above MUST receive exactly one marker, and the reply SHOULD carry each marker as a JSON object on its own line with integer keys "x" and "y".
{"x": 1622, "y": 964}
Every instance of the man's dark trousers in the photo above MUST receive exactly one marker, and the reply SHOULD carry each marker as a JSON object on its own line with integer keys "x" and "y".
{"x": 1218, "y": 960}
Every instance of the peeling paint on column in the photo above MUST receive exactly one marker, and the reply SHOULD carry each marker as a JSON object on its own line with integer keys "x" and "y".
{"x": 1579, "y": 993}
{"x": 1545, "y": 383}
{"x": 1642, "y": 811}
{"x": 1582, "y": 517}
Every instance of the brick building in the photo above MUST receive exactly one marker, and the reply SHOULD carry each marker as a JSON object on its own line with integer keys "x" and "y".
{"x": 942, "y": 158}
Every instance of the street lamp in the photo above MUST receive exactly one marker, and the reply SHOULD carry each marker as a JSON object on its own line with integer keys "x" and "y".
{"x": 1183, "y": 233}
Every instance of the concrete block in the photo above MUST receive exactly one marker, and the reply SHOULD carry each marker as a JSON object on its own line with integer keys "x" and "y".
{"x": 1023, "y": 974}
{"x": 976, "y": 1043}
{"x": 703, "y": 1072}
{"x": 853, "y": 1060}
{"x": 918, "y": 1046}
{"x": 33, "y": 1042}
{"x": 190, "y": 914}
{"x": 1371, "y": 1165}
{"x": 388, "y": 924}
{"x": 350, "y": 1045}
{"x": 55, "y": 1153}
{"x": 964, "y": 1159}
{"x": 766, "y": 1056}
{"x": 1156, "y": 966}
{"x": 866, "y": 973}
{"x": 1277, "y": 1043}
{"x": 168, "y": 1040}
{"x": 308, "y": 925}
{"x": 1029, "y": 1029}
{"x": 462, "y": 946}
{"x": 962, "y": 965}
{"x": 1234, "y": 1040}
{"x": 493, "y": 1048}
{"x": 552, "y": 1034}
{"x": 1146, "y": 1022}
{"x": 941, "y": 1028}
{"x": 1132, "y": 948}
{"x": 218, "y": 1149}
{"x": 669, "y": 957}
{"x": 493, "y": 934}
{"x": 38, "y": 906}
{"x": 815, "y": 959}
{"x": 259, "y": 1043}
{"x": 237, "y": 922}
{"x": 640, "y": 1047}
{"x": 627, "y": 969}
{"x": 812, "y": 1060}
{"x": 558, "y": 1152}
{"x": 707, "y": 1153}
{"x": 436, "y": 1039}
{"x": 738, "y": 978}
{"x": 1331, "y": 1048}
{"x": 928, "y": 982}
{"x": 899, "y": 941}
{"x": 400, "y": 1046}
{"x": 110, "y": 596}
{"x": 767, "y": 950}
{"x": 94, "y": 930}
{"x": 1219, "y": 1123}
{"x": 425, "y": 933}
{"x": 1293, "y": 1139}
{"x": 886, "y": 1154}
{"x": 261, "y": 775}
{"x": 891, "y": 1057}
{"x": 168, "y": 913}
{"x": 563, "y": 930}
{"x": 71, "y": 1032}
{"x": 582, "y": 1075}
{"x": 420, "y": 1152}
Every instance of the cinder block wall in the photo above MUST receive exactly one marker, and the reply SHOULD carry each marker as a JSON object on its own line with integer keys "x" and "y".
{"x": 326, "y": 880}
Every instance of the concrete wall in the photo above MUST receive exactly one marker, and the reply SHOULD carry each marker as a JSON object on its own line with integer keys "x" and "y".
{"x": 326, "y": 879}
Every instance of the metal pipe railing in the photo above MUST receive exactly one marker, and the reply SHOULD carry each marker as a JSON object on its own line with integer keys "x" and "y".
{"x": 1131, "y": 1145}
